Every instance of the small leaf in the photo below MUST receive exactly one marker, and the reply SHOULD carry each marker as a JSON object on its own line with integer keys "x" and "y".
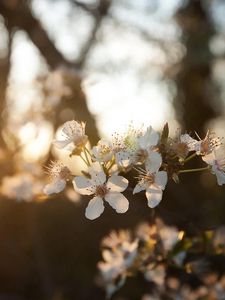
{"x": 165, "y": 133}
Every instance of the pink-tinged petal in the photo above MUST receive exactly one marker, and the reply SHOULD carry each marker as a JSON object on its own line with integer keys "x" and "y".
{"x": 161, "y": 179}
{"x": 118, "y": 201}
{"x": 94, "y": 209}
{"x": 139, "y": 187}
{"x": 154, "y": 196}
{"x": 117, "y": 183}
{"x": 54, "y": 187}
{"x": 61, "y": 144}
{"x": 98, "y": 176}
{"x": 83, "y": 185}
{"x": 153, "y": 162}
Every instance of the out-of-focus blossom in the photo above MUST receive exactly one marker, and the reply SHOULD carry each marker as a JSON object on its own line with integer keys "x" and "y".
{"x": 118, "y": 257}
{"x": 219, "y": 239}
{"x": 169, "y": 235}
{"x": 20, "y": 187}
{"x": 156, "y": 274}
{"x": 55, "y": 88}
{"x": 97, "y": 184}
{"x": 216, "y": 160}
{"x": 59, "y": 174}
{"x": 73, "y": 134}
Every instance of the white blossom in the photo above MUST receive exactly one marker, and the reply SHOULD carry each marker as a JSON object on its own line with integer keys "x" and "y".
{"x": 103, "y": 151}
{"x": 73, "y": 132}
{"x": 59, "y": 174}
{"x": 137, "y": 146}
{"x": 101, "y": 188}
{"x": 216, "y": 160}
{"x": 153, "y": 182}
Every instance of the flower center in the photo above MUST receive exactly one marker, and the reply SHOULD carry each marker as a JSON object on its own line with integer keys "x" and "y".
{"x": 64, "y": 173}
{"x": 149, "y": 178}
{"x": 181, "y": 149}
{"x": 81, "y": 141}
{"x": 141, "y": 155}
{"x": 208, "y": 144}
{"x": 101, "y": 190}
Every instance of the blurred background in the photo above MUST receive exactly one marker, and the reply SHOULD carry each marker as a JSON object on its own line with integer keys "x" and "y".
{"x": 105, "y": 62}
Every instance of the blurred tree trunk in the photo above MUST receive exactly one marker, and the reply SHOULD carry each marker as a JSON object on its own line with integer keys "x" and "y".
{"x": 18, "y": 15}
{"x": 191, "y": 204}
{"x": 196, "y": 101}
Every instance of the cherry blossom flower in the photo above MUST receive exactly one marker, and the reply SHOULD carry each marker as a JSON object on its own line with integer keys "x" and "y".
{"x": 98, "y": 185}
{"x": 59, "y": 174}
{"x": 137, "y": 147}
{"x": 103, "y": 151}
{"x": 153, "y": 181}
{"x": 216, "y": 160}
{"x": 73, "y": 133}
{"x": 204, "y": 146}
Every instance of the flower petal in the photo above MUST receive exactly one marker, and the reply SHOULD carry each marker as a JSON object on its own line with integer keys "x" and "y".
{"x": 149, "y": 139}
{"x": 54, "y": 187}
{"x": 220, "y": 176}
{"x": 61, "y": 144}
{"x": 189, "y": 141}
{"x": 153, "y": 162}
{"x": 117, "y": 183}
{"x": 118, "y": 201}
{"x": 83, "y": 185}
{"x": 94, "y": 209}
{"x": 161, "y": 179}
{"x": 97, "y": 174}
{"x": 123, "y": 159}
{"x": 209, "y": 158}
{"x": 139, "y": 187}
{"x": 154, "y": 196}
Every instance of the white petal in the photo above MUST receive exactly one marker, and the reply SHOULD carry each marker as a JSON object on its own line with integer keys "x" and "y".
{"x": 189, "y": 141}
{"x": 123, "y": 159}
{"x": 83, "y": 185}
{"x": 220, "y": 176}
{"x": 61, "y": 144}
{"x": 153, "y": 162}
{"x": 118, "y": 201}
{"x": 161, "y": 179}
{"x": 54, "y": 187}
{"x": 209, "y": 158}
{"x": 97, "y": 174}
{"x": 95, "y": 208}
{"x": 154, "y": 196}
{"x": 73, "y": 129}
{"x": 117, "y": 183}
{"x": 149, "y": 139}
{"x": 139, "y": 187}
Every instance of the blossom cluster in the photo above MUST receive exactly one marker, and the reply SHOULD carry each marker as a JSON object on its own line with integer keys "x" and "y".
{"x": 154, "y": 156}
{"x": 176, "y": 265}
